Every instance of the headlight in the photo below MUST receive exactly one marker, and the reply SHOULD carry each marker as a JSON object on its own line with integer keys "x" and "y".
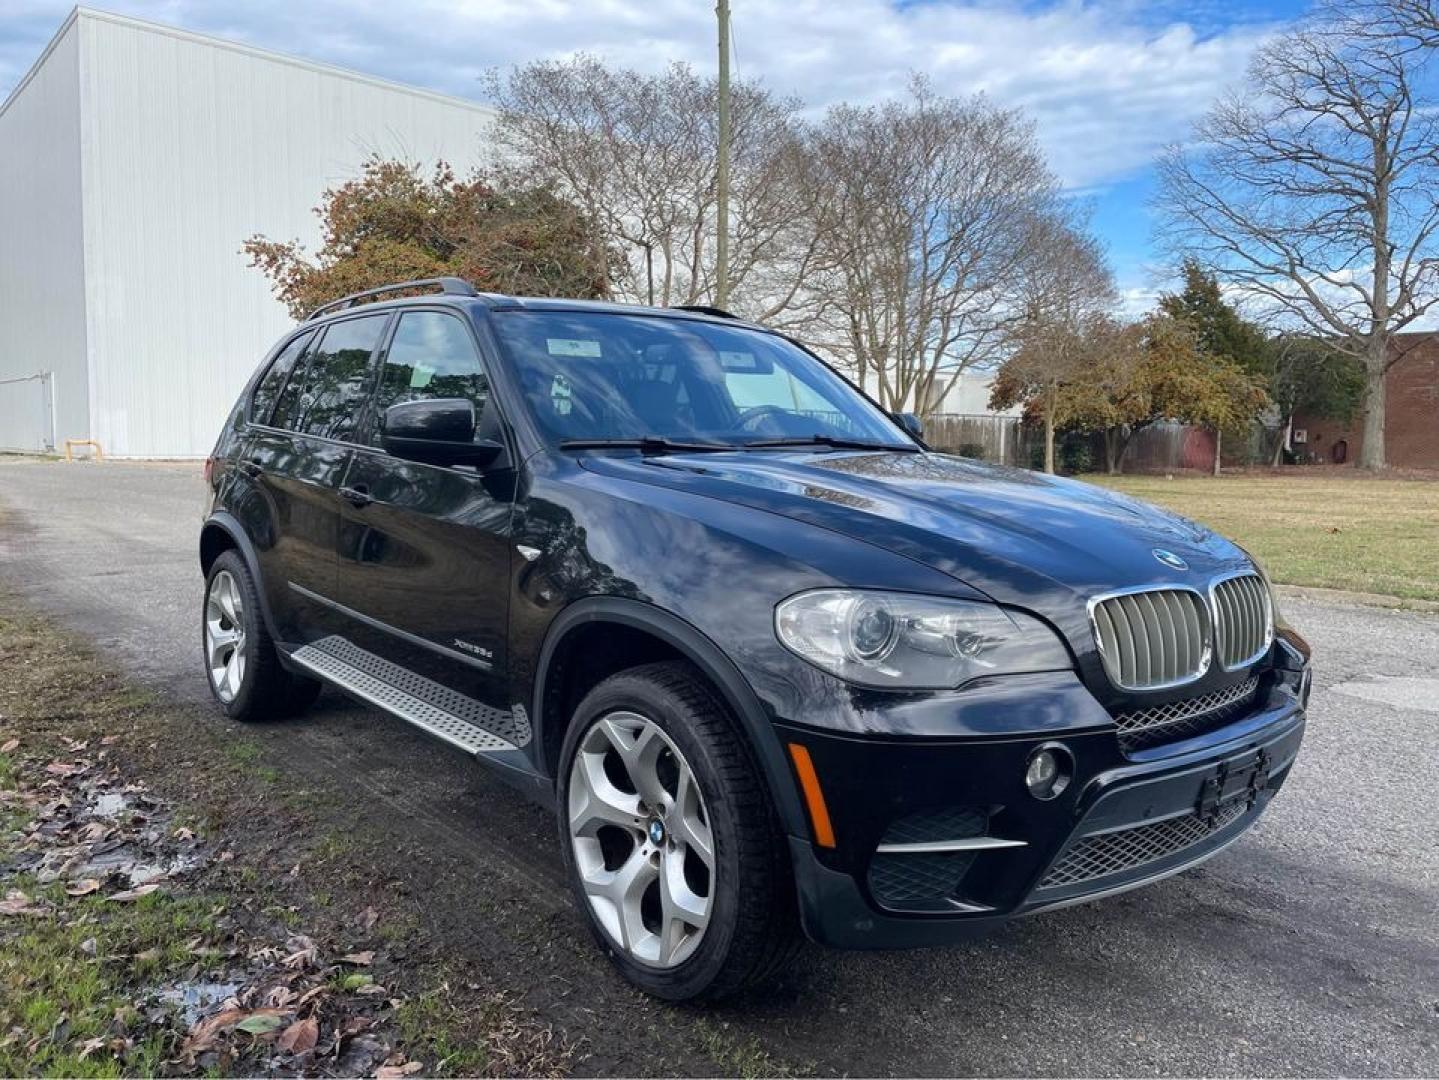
{"x": 899, "y": 640}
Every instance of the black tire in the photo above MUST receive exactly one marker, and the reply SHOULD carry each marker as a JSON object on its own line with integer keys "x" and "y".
{"x": 753, "y": 929}
{"x": 267, "y": 691}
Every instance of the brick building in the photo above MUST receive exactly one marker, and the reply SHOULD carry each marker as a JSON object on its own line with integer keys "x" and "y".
{"x": 1411, "y": 426}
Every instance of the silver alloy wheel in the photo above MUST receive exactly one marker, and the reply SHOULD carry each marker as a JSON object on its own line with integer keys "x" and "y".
{"x": 641, "y": 839}
{"x": 225, "y": 636}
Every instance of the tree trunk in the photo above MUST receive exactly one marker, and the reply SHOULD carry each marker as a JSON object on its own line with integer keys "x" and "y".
{"x": 1372, "y": 453}
{"x": 1112, "y": 450}
{"x": 1049, "y": 433}
{"x": 1283, "y": 441}
{"x": 1218, "y": 443}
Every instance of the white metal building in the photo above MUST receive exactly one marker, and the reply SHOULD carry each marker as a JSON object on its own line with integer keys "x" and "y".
{"x": 135, "y": 159}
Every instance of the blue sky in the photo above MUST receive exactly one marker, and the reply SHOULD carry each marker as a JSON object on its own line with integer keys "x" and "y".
{"x": 1108, "y": 82}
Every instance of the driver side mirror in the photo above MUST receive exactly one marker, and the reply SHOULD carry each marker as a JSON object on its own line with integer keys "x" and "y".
{"x": 910, "y": 422}
{"x": 440, "y": 431}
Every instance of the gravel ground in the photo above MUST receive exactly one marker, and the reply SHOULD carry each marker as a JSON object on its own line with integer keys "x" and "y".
{"x": 1310, "y": 947}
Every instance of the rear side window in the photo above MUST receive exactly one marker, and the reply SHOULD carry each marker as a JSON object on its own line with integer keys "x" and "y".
{"x": 337, "y": 381}
{"x": 431, "y": 356}
{"x": 273, "y": 381}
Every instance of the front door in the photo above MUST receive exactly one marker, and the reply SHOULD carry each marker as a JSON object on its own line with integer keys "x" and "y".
{"x": 424, "y": 552}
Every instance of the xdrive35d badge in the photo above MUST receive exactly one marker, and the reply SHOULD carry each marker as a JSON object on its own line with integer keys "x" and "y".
{"x": 776, "y": 666}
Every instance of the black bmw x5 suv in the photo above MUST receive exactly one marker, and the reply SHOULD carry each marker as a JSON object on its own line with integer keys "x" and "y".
{"x": 774, "y": 663}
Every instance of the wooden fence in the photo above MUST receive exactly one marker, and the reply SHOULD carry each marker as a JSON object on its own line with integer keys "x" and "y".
{"x": 1159, "y": 448}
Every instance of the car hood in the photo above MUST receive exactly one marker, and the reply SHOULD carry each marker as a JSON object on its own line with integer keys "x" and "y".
{"x": 1022, "y": 538}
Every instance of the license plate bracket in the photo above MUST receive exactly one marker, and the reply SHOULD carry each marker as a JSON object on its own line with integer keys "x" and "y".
{"x": 1231, "y": 782}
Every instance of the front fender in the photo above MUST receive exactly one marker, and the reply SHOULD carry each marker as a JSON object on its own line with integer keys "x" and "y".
{"x": 708, "y": 657}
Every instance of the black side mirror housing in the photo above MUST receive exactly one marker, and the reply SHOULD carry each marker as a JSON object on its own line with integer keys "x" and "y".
{"x": 439, "y": 431}
{"x": 910, "y": 422}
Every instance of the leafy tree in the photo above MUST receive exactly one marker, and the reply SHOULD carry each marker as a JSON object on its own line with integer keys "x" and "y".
{"x": 1065, "y": 293}
{"x": 394, "y": 223}
{"x": 1310, "y": 376}
{"x": 1221, "y": 332}
{"x": 1219, "y": 329}
{"x": 1147, "y": 372}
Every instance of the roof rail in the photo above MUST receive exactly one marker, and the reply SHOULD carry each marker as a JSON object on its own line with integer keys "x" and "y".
{"x": 450, "y": 286}
{"x": 702, "y": 309}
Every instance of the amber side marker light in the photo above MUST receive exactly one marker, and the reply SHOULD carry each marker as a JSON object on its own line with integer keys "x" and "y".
{"x": 813, "y": 796}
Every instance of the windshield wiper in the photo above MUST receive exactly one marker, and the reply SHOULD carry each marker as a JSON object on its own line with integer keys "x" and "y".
{"x": 648, "y": 444}
{"x": 838, "y": 442}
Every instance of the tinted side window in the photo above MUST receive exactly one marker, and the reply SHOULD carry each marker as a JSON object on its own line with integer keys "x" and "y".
{"x": 431, "y": 356}
{"x": 338, "y": 381}
{"x": 267, "y": 392}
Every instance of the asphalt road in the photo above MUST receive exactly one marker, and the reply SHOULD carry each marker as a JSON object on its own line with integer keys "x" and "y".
{"x": 1309, "y": 947}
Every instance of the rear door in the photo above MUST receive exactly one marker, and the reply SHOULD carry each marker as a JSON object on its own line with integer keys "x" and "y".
{"x": 297, "y": 461}
{"x": 424, "y": 563}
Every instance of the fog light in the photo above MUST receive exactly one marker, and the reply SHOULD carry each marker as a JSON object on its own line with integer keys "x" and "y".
{"x": 1048, "y": 772}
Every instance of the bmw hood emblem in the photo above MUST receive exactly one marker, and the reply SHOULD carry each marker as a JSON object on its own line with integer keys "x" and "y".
{"x": 1171, "y": 560}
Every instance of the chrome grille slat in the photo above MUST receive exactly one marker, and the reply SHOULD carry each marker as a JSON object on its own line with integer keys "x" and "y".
{"x": 1152, "y": 638}
{"x": 1245, "y": 623}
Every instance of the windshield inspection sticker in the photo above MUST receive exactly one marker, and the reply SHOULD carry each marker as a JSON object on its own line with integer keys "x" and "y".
{"x": 572, "y": 347}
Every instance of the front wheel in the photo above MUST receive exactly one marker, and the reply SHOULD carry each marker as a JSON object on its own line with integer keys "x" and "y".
{"x": 241, "y": 660}
{"x": 670, "y": 839}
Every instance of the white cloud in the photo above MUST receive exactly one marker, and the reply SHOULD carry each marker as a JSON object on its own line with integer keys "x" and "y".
{"x": 1105, "y": 84}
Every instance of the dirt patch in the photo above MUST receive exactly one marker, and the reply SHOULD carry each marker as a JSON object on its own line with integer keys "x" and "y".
{"x": 252, "y": 914}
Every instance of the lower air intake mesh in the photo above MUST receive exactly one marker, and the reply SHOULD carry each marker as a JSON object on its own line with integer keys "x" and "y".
{"x": 1128, "y": 849}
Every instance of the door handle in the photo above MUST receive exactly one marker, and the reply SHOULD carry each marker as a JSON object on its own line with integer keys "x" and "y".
{"x": 251, "y": 469}
{"x": 358, "y": 496}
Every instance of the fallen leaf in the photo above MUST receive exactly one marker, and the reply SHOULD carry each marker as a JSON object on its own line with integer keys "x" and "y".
{"x": 89, "y": 1046}
{"x": 300, "y": 958}
{"x": 366, "y": 919}
{"x": 372, "y": 990}
{"x": 88, "y": 946}
{"x": 397, "y": 1072}
{"x": 136, "y": 893}
{"x": 83, "y": 887}
{"x": 300, "y": 1037}
{"x": 260, "y": 1022}
{"x": 61, "y": 768}
{"x": 10, "y": 744}
{"x": 359, "y": 959}
{"x": 183, "y": 833}
{"x": 109, "y": 740}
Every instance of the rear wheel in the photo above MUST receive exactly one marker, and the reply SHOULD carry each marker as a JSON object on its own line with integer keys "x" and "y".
{"x": 672, "y": 846}
{"x": 241, "y": 662}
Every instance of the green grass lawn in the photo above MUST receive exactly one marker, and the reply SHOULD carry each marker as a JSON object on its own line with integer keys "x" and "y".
{"x": 1378, "y": 536}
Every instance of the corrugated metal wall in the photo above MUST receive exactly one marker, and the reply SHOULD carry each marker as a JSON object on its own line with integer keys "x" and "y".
{"x": 190, "y": 147}
{"x": 42, "y": 284}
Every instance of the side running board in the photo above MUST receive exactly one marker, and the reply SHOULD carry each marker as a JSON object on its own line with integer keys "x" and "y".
{"x": 459, "y": 720}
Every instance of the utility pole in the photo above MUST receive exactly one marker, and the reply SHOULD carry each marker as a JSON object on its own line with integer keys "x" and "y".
{"x": 722, "y": 172}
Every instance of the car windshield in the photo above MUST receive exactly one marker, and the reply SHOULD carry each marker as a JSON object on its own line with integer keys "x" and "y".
{"x": 598, "y": 376}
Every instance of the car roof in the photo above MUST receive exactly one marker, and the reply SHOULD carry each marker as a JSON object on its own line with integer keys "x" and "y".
{"x": 502, "y": 302}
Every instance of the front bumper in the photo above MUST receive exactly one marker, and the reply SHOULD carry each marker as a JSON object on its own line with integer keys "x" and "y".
{"x": 1122, "y": 823}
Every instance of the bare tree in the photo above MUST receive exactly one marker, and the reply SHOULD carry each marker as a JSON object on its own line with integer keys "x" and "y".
{"x": 638, "y": 153}
{"x": 1315, "y": 189}
{"x": 1065, "y": 293}
{"x": 923, "y": 218}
